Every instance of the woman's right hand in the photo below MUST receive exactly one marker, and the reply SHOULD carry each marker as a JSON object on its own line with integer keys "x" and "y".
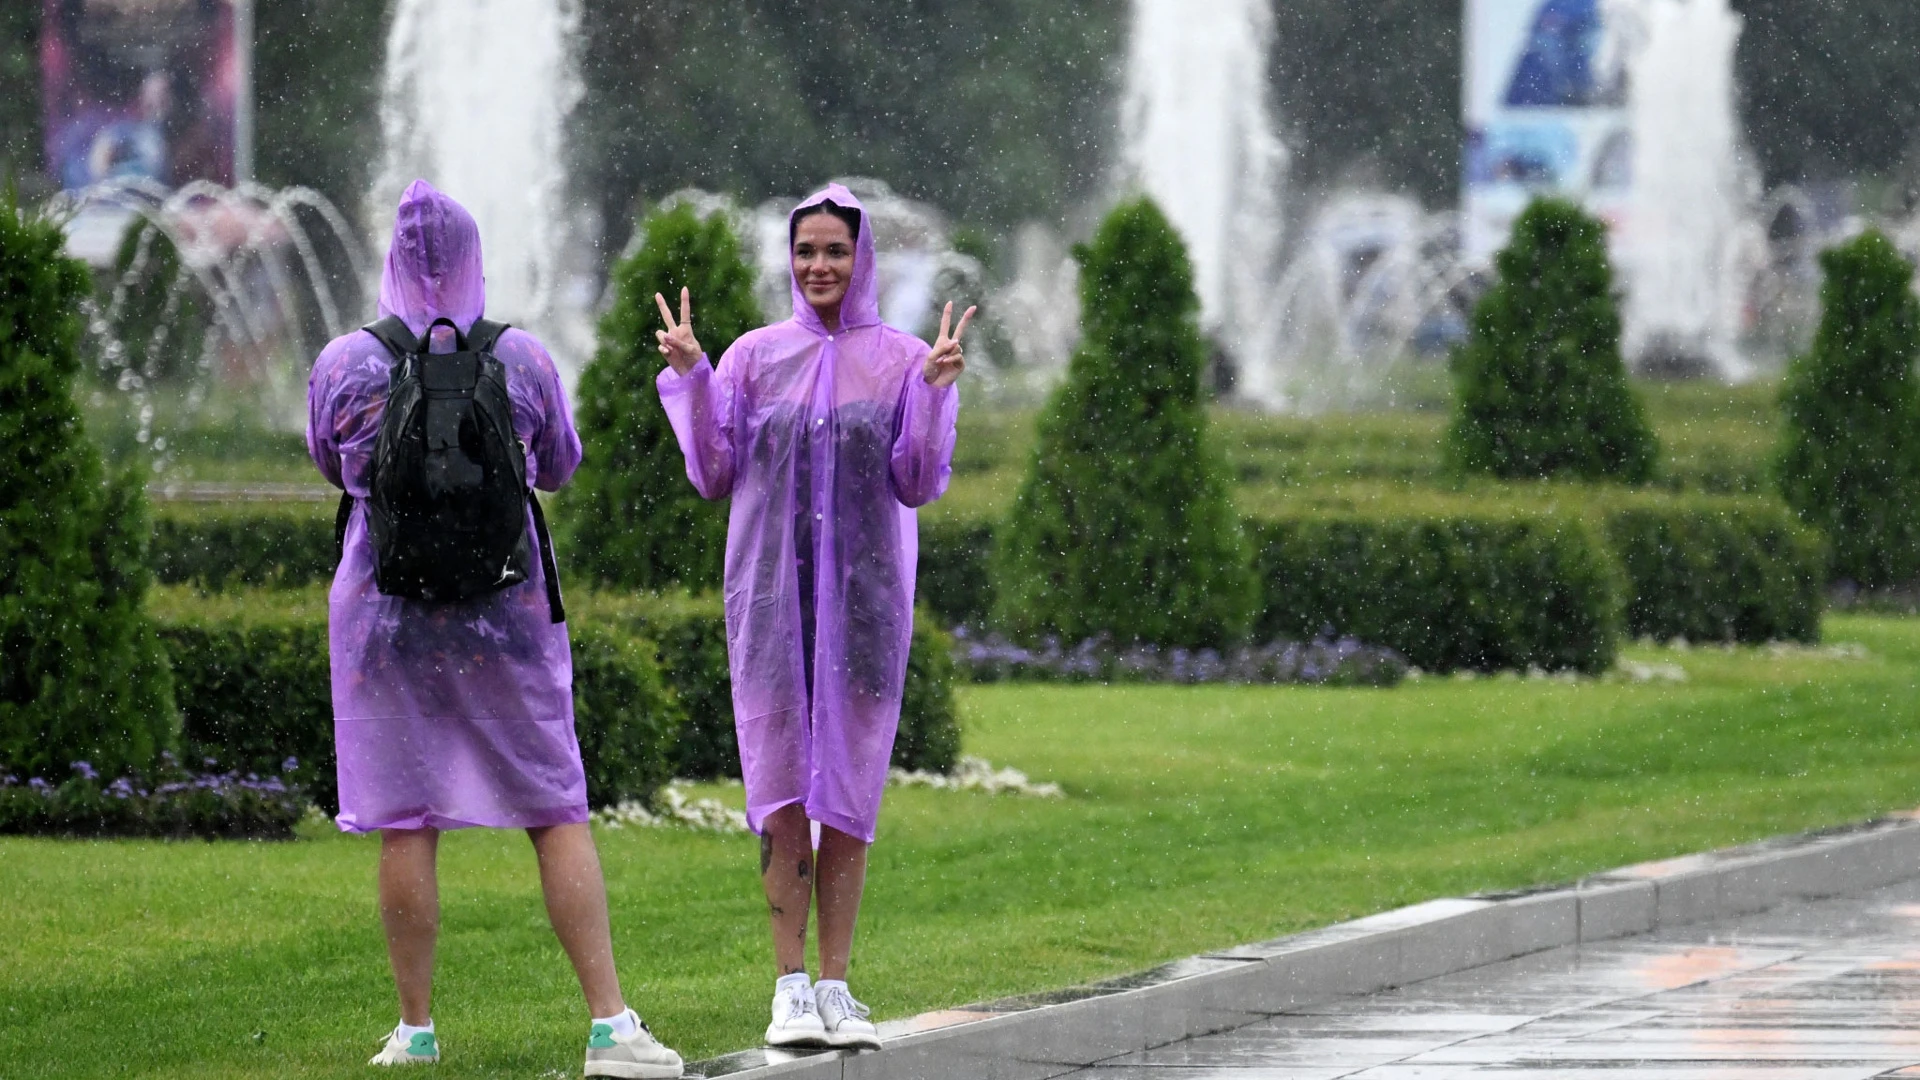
{"x": 677, "y": 342}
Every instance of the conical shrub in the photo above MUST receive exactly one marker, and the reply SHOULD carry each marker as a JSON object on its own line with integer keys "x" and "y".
{"x": 1540, "y": 388}
{"x": 1124, "y": 525}
{"x": 83, "y": 677}
{"x": 633, "y": 519}
{"x": 1849, "y": 462}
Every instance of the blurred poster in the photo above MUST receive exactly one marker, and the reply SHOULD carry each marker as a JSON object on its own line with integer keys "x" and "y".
{"x": 1545, "y": 112}
{"x": 139, "y": 91}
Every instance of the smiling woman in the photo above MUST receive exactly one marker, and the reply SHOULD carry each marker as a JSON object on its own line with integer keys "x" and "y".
{"x": 826, "y": 431}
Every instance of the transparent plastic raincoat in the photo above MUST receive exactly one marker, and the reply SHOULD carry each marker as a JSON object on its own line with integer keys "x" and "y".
{"x": 445, "y": 715}
{"x": 825, "y": 443}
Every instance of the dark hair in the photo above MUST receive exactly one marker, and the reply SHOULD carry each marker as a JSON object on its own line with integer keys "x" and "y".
{"x": 825, "y": 206}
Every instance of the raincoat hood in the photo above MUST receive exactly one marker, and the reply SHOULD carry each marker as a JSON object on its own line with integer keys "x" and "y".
{"x": 861, "y": 306}
{"x": 433, "y": 269}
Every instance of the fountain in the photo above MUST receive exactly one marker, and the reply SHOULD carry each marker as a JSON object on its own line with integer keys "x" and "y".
{"x": 474, "y": 100}
{"x": 1375, "y": 281}
{"x": 1199, "y": 139}
{"x": 1689, "y": 246}
{"x": 247, "y": 282}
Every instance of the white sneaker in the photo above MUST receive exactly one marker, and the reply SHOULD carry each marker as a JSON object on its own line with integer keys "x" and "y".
{"x": 795, "y": 1020}
{"x": 635, "y": 1055}
{"x": 422, "y": 1049}
{"x": 844, "y": 1018}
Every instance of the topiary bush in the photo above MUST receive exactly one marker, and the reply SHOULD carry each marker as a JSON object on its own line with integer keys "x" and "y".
{"x": 1849, "y": 461}
{"x": 633, "y": 519}
{"x": 1540, "y": 387}
{"x": 1483, "y": 589}
{"x": 1123, "y": 524}
{"x": 84, "y": 678}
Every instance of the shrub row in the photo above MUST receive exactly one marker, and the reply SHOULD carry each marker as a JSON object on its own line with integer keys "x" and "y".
{"x": 652, "y": 698}
{"x": 1486, "y": 590}
{"x": 1718, "y": 569}
{"x": 219, "y": 546}
{"x": 1447, "y": 583}
{"x": 1457, "y": 583}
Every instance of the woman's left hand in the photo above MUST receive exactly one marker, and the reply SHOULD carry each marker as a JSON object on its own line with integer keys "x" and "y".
{"x": 946, "y": 362}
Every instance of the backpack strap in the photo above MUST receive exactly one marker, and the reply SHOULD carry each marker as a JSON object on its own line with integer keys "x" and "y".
{"x": 547, "y": 567}
{"x": 340, "y": 519}
{"x": 484, "y": 334}
{"x": 392, "y": 332}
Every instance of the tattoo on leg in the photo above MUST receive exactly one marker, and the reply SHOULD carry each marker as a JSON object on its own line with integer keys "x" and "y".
{"x": 776, "y": 909}
{"x": 806, "y": 869}
{"x": 788, "y": 970}
{"x": 766, "y": 852}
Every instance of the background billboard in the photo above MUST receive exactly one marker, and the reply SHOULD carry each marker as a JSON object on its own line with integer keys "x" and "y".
{"x": 1545, "y": 110}
{"x": 139, "y": 90}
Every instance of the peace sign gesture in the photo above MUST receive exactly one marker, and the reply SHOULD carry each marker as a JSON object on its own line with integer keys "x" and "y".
{"x": 677, "y": 342}
{"x": 945, "y": 362}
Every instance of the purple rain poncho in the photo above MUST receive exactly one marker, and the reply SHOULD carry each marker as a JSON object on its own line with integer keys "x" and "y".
{"x": 826, "y": 443}
{"x": 445, "y": 715}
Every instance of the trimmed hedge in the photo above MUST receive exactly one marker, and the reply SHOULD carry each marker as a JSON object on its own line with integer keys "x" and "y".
{"x": 625, "y": 717}
{"x": 1484, "y": 590}
{"x": 251, "y": 676}
{"x": 220, "y": 546}
{"x": 690, "y": 633}
{"x": 1718, "y": 569}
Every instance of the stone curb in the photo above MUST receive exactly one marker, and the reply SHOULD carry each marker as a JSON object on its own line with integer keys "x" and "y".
{"x": 1047, "y": 1035}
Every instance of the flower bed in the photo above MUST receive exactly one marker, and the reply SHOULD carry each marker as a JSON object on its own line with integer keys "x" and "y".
{"x": 170, "y": 801}
{"x": 1344, "y": 661}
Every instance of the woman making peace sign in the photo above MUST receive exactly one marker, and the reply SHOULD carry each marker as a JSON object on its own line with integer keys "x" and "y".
{"x": 826, "y": 430}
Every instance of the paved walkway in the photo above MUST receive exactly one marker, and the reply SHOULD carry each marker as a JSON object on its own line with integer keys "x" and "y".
{"x": 1825, "y": 990}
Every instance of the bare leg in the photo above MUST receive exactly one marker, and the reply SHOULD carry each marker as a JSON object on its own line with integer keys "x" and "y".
{"x": 577, "y": 907}
{"x": 410, "y": 911}
{"x": 843, "y": 877}
{"x": 786, "y": 872}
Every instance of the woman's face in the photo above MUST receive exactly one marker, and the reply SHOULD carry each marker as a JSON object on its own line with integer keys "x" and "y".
{"x": 823, "y": 260}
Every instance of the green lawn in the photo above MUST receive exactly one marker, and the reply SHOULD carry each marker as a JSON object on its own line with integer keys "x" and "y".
{"x": 1196, "y": 818}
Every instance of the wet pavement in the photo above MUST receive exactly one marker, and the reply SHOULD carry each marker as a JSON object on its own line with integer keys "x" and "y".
{"x": 1820, "y": 990}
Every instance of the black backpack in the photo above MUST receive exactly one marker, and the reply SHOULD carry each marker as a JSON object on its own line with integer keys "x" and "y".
{"x": 448, "y": 487}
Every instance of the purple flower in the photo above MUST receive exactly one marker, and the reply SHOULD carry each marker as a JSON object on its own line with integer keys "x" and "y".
{"x": 40, "y": 785}
{"x": 290, "y": 765}
{"x": 86, "y": 771}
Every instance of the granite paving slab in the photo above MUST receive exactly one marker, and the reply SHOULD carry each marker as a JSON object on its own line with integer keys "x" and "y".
{"x": 1823, "y": 989}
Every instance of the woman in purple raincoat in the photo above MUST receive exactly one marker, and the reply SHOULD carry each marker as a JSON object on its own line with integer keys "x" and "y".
{"x": 826, "y": 431}
{"x": 454, "y": 715}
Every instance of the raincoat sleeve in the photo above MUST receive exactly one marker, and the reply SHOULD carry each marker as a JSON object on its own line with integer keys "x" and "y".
{"x": 699, "y": 405}
{"x": 334, "y": 418}
{"x": 923, "y": 437}
{"x": 553, "y": 443}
